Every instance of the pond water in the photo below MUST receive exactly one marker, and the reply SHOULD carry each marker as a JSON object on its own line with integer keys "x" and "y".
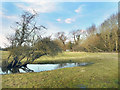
{"x": 42, "y": 67}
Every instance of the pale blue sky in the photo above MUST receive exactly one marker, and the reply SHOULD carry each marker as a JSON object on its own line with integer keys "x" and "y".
{"x": 58, "y": 16}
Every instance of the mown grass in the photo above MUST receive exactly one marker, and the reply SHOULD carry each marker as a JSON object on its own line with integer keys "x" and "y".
{"x": 102, "y": 74}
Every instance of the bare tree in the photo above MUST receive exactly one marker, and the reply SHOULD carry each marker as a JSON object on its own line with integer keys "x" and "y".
{"x": 76, "y": 35}
{"x": 27, "y": 43}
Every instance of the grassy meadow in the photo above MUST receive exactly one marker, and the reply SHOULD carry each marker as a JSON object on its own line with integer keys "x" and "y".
{"x": 102, "y": 74}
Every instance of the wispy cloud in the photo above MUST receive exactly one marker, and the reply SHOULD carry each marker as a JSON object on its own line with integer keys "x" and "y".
{"x": 58, "y": 19}
{"x": 40, "y": 7}
{"x": 73, "y": 19}
{"x": 69, "y": 20}
{"x": 79, "y": 9}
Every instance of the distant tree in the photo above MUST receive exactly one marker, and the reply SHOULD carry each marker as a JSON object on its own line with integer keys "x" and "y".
{"x": 0, "y": 48}
{"x": 59, "y": 43}
{"x": 76, "y": 35}
{"x": 109, "y": 33}
{"x": 70, "y": 45}
{"x": 103, "y": 38}
{"x": 27, "y": 43}
{"x": 91, "y": 30}
{"x": 98, "y": 39}
{"x": 92, "y": 43}
{"x": 62, "y": 37}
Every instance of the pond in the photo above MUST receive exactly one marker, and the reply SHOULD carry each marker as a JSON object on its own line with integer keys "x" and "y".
{"x": 42, "y": 67}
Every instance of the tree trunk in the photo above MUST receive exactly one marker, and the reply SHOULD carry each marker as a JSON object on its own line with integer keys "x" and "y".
{"x": 116, "y": 45}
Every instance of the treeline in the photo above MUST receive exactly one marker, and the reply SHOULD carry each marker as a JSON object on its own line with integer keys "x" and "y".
{"x": 3, "y": 49}
{"x": 103, "y": 38}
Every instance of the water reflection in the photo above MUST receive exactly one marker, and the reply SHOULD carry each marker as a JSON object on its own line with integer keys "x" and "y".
{"x": 64, "y": 65}
{"x": 39, "y": 67}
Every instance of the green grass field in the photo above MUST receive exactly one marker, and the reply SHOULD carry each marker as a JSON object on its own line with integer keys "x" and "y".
{"x": 102, "y": 74}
